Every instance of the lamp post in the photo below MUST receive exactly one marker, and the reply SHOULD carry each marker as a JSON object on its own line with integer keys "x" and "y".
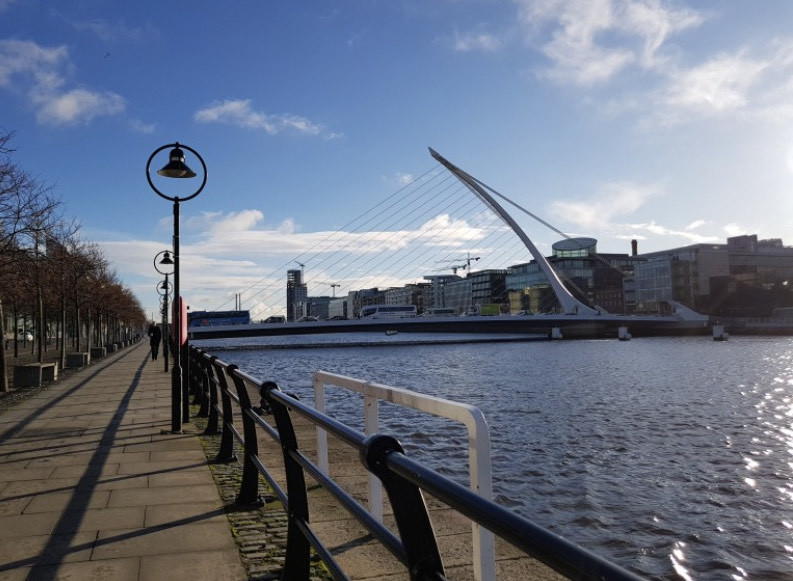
{"x": 166, "y": 289}
{"x": 176, "y": 168}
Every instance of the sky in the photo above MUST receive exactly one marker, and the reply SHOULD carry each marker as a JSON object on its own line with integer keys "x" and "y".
{"x": 668, "y": 122}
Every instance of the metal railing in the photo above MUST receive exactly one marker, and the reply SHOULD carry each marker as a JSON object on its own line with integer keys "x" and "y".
{"x": 479, "y": 463}
{"x": 405, "y": 481}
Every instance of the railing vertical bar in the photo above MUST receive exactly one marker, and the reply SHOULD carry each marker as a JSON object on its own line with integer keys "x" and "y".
{"x": 226, "y": 452}
{"x": 372, "y": 426}
{"x": 249, "y": 488}
{"x": 322, "y": 435}
{"x": 212, "y": 423}
{"x": 298, "y": 549}
{"x": 201, "y": 367}
{"x": 410, "y": 510}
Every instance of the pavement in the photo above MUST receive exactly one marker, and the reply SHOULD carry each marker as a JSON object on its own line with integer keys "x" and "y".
{"x": 94, "y": 486}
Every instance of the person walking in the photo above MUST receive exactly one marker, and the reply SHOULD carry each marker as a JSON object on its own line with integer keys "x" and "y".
{"x": 155, "y": 336}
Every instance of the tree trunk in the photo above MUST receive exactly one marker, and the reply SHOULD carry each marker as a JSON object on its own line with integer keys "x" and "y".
{"x": 40, "y": 324}
{"x": 3, "y": 368}
{"x": 63, "y": 332}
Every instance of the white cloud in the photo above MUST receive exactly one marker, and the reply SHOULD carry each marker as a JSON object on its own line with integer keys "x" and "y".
{"x": 237, "y": 221}
{"x": 287, "y": 226}
{"x": 113, "y": 31}
{"x": 40, "y": 73}
{"x": 755, "y": 83}
{"x": 76, "y": 106}
{"x": 20, "y": 58}
{"x": 476, "y": 41}
{"x": 597, "y": 213}
{"x": 399, "y": 180}
{"x": 224, "y": 253}
{"x": 718, "y": 85}
{"x": 239, "y": 112}
{"x": 662, "y": 231}
{"x": 733, "y": 229}
{"x": 600, "y": 215}
{"x": 141, "y": 127}
{"x": 590, "y": 41}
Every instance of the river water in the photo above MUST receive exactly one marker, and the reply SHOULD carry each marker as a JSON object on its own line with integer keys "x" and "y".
{"x": 670, "y": 456}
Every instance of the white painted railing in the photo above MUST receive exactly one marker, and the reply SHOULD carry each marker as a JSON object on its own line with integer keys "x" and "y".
{"x": 479, "y": 462}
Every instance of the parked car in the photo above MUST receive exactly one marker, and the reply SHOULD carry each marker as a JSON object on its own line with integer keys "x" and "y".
{"x": 307, "y": 319}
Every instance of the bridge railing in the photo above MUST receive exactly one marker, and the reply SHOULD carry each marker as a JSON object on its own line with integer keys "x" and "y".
{"x": 405, "y": 481}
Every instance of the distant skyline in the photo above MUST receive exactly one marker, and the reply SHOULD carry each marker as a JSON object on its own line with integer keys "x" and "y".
{"x": 669, "y": 122}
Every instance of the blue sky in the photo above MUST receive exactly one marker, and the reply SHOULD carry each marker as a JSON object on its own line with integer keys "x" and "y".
{"x": 670, "y": 122}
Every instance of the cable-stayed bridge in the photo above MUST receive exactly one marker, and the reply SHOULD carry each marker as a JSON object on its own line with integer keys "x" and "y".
{"x": 444, "y": 220}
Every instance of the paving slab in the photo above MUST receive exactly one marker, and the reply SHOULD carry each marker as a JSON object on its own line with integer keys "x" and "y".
{"x": 94, "y": 485}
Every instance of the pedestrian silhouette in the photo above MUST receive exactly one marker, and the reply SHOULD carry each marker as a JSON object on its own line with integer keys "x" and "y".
{"x": 155, "y": 336}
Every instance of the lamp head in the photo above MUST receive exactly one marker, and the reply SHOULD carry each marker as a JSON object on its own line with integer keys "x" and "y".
{"x": 176, "y": 167}
{"x": 166, "y": 259}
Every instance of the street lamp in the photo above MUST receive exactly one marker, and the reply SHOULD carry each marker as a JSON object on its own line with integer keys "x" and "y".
{"x": 168, "y": 264}
{"x": 176, "y": 168}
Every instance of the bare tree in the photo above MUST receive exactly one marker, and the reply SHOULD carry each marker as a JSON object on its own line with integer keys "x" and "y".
{"x": 28, "y": 211}
{"x": 45, "y": 269}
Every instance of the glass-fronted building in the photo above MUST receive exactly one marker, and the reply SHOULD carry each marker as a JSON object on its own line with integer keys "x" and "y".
{"x": 598, "y": 280}
{"x": 745, "y": 277}
{"x": 296, "y": 295}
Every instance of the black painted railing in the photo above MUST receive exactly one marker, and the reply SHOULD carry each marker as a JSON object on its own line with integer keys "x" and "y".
{"x": 405, "y": 481}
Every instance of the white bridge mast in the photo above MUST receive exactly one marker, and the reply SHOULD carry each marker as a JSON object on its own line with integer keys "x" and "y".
{"x": 570, "y": 304}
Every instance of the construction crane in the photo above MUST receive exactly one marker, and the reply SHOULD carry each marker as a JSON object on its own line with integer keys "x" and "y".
{"x": 332, "y": 286}
{"x": 465, "y": 265}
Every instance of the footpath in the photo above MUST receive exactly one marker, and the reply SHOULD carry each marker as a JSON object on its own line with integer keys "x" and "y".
{"x": 93, "y": 485}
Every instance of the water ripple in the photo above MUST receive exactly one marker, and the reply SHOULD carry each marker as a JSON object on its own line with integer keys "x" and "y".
{"x": 675, "y": 460}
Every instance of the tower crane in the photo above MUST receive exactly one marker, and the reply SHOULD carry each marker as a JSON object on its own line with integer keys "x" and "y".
{"x": 332, "y": 285}
{"x": 466, "y": 262}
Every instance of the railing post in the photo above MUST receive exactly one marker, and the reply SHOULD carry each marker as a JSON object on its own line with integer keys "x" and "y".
{"x": 410, "y": 510}
{"x": 212, "y": 388}
{"x": 372, "y": 426}
{"x": 226, "y": 452}
{"x": 297, "y": 563}
{"x": 249, "y": 489}
{"x": 194, "y": 380}
{"x": 201, "y": 366}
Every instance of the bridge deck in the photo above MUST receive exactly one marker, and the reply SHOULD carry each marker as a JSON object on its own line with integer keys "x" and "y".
{"x": 571, "y": 326}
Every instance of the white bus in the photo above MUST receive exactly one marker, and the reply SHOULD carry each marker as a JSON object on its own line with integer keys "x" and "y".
{"x": 440, "y": 312}
{"x": 388, "y": 311}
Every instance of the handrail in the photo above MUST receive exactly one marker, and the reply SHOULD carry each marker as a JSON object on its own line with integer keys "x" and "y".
{"x": 479, "y": 463}
{"x": 404, "y": 479}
